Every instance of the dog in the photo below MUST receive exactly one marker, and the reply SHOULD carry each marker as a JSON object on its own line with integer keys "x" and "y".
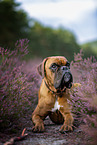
{"x": 54, "y": 94}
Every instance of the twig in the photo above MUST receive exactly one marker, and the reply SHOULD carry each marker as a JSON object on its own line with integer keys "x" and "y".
{"x": 14, "y": 139}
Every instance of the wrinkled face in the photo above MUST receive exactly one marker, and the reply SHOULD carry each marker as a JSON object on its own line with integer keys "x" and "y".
{"x": 57, "y": 72}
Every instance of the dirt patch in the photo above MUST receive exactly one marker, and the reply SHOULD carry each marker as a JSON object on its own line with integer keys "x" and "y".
{"x": 52, "y": 136}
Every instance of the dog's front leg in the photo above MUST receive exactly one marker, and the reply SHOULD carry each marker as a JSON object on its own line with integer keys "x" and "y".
{"x": 38, "y": 123}
{"x": 68, "y": 123}
{"x": 38, "y": 116}
{"x": 68, "y": 118}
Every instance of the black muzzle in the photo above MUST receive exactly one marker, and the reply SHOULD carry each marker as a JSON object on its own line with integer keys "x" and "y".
{"x": 63, "y": 78}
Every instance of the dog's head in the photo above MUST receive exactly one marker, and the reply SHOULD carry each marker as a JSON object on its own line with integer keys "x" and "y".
{"x": 56, "y": 71}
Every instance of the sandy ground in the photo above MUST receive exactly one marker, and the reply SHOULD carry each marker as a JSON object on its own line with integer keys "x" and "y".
{"x": 51, "y": 135}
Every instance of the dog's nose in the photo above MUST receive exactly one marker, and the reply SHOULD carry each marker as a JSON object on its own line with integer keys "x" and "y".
{"x": 64, "y": 68}
{"x": 67, "y": 77}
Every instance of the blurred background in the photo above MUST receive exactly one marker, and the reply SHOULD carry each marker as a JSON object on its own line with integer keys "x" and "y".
{"x": 54, "y": 27}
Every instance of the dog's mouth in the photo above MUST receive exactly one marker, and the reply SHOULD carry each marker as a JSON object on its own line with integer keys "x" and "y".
{"x": 63, "y": 80}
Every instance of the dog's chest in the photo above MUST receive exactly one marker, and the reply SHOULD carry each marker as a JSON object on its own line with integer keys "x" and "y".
{"x": 56, "y": 106}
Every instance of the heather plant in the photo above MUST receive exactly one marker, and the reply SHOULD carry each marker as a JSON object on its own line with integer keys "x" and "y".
{"x": 84, "y": 97}
{"x": 17, "y": 88}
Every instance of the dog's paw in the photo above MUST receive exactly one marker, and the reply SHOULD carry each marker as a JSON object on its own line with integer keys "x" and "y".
{"x": 39, "y": 127}
{"x": 65, "y": 128}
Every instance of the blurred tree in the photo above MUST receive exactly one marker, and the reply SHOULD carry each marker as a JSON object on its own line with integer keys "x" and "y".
{"x": 90, "y": 49}
{"x": 46, "y": 41}
{"x": 13, "y": 23}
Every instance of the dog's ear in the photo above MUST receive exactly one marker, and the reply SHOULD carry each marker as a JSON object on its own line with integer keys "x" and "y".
{"x": 41, "y": 68}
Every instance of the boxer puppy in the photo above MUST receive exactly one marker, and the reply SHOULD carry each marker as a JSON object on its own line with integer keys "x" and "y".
{"x": 54, "y": 94}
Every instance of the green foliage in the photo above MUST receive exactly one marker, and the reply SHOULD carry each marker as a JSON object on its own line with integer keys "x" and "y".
{"x": 90, "y": 49}
{"x": 46, "y": 41}
{"x": 13, "y": 23}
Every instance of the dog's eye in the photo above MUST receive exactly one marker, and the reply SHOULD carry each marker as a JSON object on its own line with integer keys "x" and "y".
{"x": 68, "y": 64}
{"x": 53, "y": 67}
